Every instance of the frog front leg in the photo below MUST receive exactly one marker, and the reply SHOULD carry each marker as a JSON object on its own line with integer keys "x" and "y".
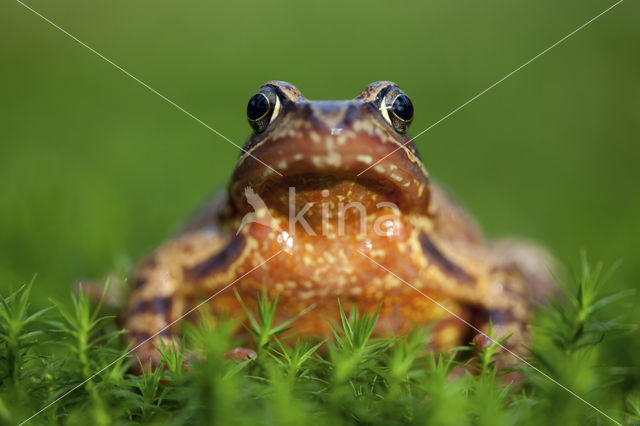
{"x": 158, "y": 301}
{"x": 520, "y": 278}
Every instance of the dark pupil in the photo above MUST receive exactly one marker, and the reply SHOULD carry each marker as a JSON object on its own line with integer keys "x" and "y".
{"x": 258, "y": 106}
{"x": 403, "y": 108}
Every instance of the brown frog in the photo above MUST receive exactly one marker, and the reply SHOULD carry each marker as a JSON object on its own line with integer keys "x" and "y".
{"x": 329, "y": 200}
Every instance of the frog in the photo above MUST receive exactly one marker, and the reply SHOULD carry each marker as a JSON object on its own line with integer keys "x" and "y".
{"x": 329, "y": 204}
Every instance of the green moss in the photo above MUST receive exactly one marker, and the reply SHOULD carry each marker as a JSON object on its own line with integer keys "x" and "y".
{"x": 71, "y": 362}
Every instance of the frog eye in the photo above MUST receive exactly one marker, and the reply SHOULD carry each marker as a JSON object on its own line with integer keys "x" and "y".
{"x": 263, "y": 108}
{"x": 396, "y": 108}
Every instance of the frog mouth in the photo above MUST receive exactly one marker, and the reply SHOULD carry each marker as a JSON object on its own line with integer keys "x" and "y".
{"x": 380, "y": 170}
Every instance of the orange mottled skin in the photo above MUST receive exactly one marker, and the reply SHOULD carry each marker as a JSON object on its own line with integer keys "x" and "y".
{"x": 320, "y": 148}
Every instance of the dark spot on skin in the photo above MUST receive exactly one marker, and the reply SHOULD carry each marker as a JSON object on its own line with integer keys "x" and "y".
{"x": 157, "y": 305}
{"x": 501, "y": 317}
{"x": 511, "y": 279}
{"x": 506, "y": 269}
{"x": 514, "y": 289}
{"x": 139, "y": 282}
{"x": 150, "y": 262}
{"x": 445, "y": 265}
{"x": 141, "y": 336}
{"x": 138, "y": 336}
{"x": 220, "y": 261}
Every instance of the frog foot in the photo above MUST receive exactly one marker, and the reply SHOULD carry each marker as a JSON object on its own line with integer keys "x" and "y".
{"x": 241, "y": 354}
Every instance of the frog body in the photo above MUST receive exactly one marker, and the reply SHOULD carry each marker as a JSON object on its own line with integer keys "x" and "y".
{"x": 330, "y": 201}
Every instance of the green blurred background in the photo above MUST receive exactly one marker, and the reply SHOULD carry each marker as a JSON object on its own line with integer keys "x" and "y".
{"x": 95, "y": 170}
